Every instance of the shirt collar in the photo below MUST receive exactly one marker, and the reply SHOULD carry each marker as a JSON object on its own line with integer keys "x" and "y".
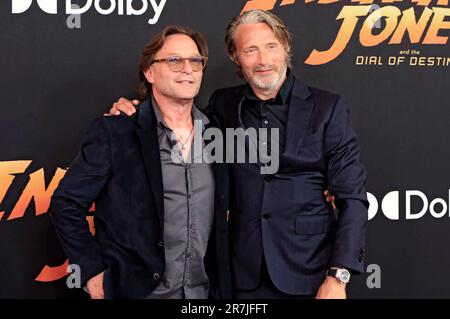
{"x": 197, "y": 115}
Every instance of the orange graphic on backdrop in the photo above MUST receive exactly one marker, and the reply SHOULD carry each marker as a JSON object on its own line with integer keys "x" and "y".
{"x": 264, "y": 4}
{"x": 34, "y": 190}
{"x": 398, "y": 24}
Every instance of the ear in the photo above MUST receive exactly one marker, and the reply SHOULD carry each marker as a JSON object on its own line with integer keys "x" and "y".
{"x": 149, "y": 75}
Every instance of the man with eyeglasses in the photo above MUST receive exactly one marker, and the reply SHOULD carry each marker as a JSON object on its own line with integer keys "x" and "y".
{"x": 160, "y": 217}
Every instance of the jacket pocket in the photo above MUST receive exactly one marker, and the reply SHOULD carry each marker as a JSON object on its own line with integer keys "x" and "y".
{"x": 314, "y": 224}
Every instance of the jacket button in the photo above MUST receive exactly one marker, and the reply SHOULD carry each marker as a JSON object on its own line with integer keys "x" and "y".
{"x": 160, "y": 243}
{"x": 156, "y": 276}
{"x": 266, "y": 216}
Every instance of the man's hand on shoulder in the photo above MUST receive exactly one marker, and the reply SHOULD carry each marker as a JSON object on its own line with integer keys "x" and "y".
{"x": 123, "y": 105}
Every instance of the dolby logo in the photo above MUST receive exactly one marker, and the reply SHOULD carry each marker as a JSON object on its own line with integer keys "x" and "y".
{"x": 48, "y": 6}
{"x": 103, "y": 7}
{"x": 417, "y": 205}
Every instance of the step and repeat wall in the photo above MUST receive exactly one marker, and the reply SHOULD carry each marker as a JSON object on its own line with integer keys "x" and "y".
{"x": 63, "y": 63}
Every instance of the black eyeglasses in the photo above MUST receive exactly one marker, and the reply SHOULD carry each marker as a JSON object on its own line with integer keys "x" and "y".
{"x": 176, "y": 63}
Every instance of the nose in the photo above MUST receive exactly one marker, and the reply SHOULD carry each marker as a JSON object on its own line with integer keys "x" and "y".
{"x": 187, "y": 67}
{"x": 263, "y": 57}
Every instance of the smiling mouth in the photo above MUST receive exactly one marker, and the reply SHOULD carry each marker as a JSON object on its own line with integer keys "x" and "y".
{"x": 185, "y": 82}
{"x": 264, "y": 71}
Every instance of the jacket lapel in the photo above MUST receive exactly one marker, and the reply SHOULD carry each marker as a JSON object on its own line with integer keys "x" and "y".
{"x": 299, "y": 114}
{"x": 148, "y": 140}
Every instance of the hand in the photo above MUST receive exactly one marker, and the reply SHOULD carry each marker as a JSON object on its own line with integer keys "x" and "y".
{"x": 329, "y": 198}
{"x": 331, "y": 288}
{"x": 123, "y": 105}
{"x": 95, "y": 286}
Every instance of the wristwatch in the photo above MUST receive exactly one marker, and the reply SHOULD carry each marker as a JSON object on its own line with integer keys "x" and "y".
{"x": 341, "y": 274}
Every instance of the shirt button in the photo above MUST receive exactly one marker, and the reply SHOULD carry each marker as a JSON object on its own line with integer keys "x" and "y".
{"x": 156, "y": 276}
{"x": 266, "y": 122}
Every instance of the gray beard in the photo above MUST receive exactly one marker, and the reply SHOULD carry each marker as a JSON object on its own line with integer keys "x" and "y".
{"x": 273, "y": 85}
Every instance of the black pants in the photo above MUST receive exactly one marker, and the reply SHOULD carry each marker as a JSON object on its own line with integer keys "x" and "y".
{"x": 266, "y": 289}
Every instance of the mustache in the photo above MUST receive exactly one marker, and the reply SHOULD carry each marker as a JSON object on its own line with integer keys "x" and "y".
{"x": 264, "y": 67}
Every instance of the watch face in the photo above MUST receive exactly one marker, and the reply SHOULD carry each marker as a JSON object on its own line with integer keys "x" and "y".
{"x": 344, "y": 275}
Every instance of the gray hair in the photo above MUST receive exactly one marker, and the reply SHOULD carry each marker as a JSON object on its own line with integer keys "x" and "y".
{"x": 259, "y": 16}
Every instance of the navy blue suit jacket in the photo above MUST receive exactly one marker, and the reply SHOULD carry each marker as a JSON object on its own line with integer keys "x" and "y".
{"x": 285, "y": 218}
{"x": 119, "y": 168}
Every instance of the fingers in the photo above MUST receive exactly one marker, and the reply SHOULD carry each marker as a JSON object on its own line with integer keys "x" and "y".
{"x": 329, "y": 198}
{"x": 114, "y": 110}
{"x": 98, "y": 295}
{"x": 125, "y": 106}
{"x": 95, "y": 286}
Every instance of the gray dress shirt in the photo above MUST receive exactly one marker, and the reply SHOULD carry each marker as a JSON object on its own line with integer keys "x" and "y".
{"x": 188, "y": 215}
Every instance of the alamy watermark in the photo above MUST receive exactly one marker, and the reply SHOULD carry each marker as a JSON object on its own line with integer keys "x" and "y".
{"x": 237, "y": 146}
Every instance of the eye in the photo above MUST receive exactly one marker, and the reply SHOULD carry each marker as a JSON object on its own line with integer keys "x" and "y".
{"x": 250, "y": 51}
{"x": 174, "y": 60}
{"x": 272, "y": 46}
{"x": 196, "y": 59}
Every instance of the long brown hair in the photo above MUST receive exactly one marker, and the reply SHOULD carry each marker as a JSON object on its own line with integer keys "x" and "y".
{"x": 156, "y": 43}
